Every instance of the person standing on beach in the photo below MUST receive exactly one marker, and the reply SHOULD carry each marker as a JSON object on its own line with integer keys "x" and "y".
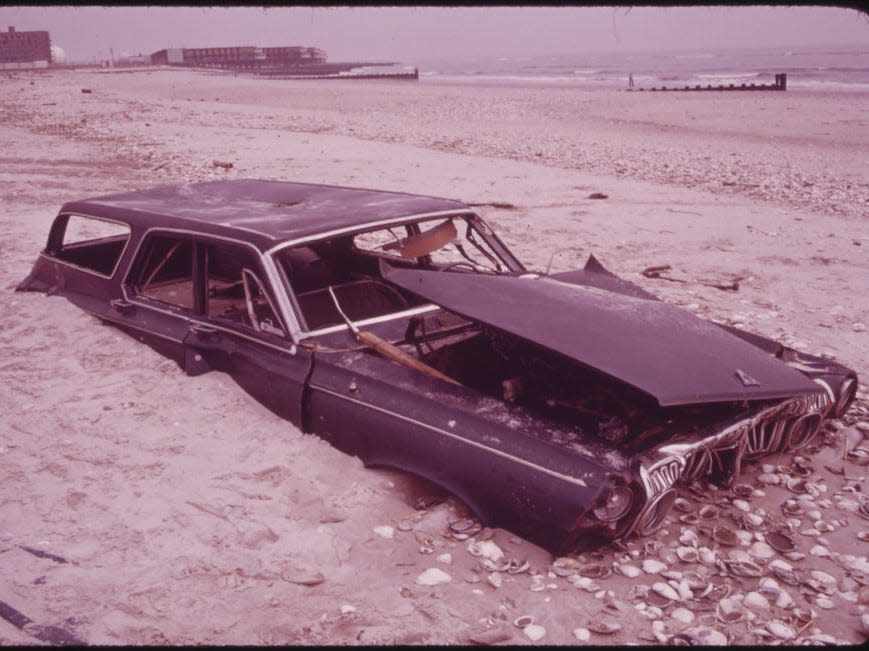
{"x": 630, "y": 80}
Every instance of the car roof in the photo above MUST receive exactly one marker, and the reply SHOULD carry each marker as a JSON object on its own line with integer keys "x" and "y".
{"x": 264, "y": 213}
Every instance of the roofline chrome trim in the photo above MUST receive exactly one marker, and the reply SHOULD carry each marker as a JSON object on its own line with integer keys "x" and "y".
{"x": 290, "y": 349}
{"x": 524, "y": 462}
{"x": 368, "y": 225}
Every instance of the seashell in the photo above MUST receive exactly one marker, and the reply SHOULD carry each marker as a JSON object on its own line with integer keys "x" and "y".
{"x": 863, "y": 511}
{"x": 822, "y": 582}
{"x": 688, "y": 537}
{"x": 517, "y": 567}
{"x": 707, "y": 556}
{"x": 780, "y": 630}
{"x": 682, "y": 615}
{"x": 495, "y": 580}
{"x": 742, "y": 505}
{"x": 864, "y": 624}
{"x": 595, "y": 570}
{"x": 769, "y": 478}
{"x": 695, "y": 580}
{"x": 794, "y": 556}
{"x": 755, "y": 601}
{"x": 823, "y": 601}
{"x": 705, "y": 636}
{"x": 667, "y": 555}
{"x": 742, "y": 490}
{"x": 534, "y": 632}
{"x": 466, "y": 526}
{"x": 486, "y": 549}
{"x": 792, "y": 507}
{"x": 708, "y": 512}
{"x": 760, "y": 550}
{"x": 523, "y": 621}
{"x": 745, "y": 568}
{"x": 860, "y": 577}
{"x": 730, "y": 611}
{"x": 779, "y": 541}
{"x": 804, "y": 615}
{"x": 582, "y": 634}
{"x": 665, "y": 590}
{"x": 630, "y": 571}
{"x": 689, "y": 518}
{"x": 820, "y": 550}
{"x": 682, "y": 505}
{"x": 797, "y": 485}
{"x": 604, "y": 626}
{"x": 433, "y": 576}
{"x": 652, "y": 566}
{"x": 725, "y": 536}
{"x": 687, "y": 554}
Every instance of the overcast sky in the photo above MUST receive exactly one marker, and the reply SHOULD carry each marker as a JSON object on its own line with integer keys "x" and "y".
{"x": 409, "y": 34}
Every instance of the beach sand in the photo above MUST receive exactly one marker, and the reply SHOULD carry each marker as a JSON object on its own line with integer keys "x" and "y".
{"x": 186, "y": 513}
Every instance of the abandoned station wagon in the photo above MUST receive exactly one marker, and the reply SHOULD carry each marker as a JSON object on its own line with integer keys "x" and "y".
{"x": 566, "y": 407}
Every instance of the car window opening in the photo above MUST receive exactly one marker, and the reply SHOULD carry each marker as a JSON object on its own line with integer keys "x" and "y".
{"x": 350, "y": 266}
{"x": 89, "y": 243}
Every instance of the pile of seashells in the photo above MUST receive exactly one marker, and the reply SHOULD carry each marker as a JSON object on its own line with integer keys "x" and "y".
{"x": 725, "y": 570}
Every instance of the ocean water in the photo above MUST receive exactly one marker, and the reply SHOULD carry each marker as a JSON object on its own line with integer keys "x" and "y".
{"x": 820, "y": 68}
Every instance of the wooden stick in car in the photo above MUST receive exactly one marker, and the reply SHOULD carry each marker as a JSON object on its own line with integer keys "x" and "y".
{"x": 388, "y": 350}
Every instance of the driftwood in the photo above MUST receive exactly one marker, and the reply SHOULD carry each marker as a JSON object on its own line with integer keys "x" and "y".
{"x": 658, "y": 270}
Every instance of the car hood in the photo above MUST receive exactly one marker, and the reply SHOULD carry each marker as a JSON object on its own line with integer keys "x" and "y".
{"x": 662, "y": 350}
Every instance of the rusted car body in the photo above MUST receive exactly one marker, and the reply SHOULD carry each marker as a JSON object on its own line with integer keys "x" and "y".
{"x": 565, "y": 407}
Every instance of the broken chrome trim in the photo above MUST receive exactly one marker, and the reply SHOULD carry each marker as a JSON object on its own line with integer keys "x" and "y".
{"x": 791, "y": 424}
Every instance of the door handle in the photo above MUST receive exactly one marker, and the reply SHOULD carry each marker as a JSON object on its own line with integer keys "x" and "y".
{"x": 204, "y": 331}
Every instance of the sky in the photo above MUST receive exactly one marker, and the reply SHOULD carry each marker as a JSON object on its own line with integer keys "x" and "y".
{"x": 408, "y": 34}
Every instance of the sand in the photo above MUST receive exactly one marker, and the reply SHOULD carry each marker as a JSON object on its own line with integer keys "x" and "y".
{"x": 186, "y": 513}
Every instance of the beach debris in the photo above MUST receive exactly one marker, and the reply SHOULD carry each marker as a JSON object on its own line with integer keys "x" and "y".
{"x": 347, "y": 609}
{"x": 495, "y": 579}
{"x": 780, "y": 630}
{"x": 502, "y": 205}
{"x": 604, "y": 626}
{"x": 705, "y": 636}
{"x": 582, "y": 634}
{"x": 780, "y": 541}
{"x": 656, "y": 271}
{"x": 224, "y": 164}
{"x": 730, "y": 610}
{"x": 385, "y": 531}
{"x": 463, "y": 529}
{"x": 86, "y": 91}
{"x": 653, "y": 566}
{"x": 534, "y": 632}
{"x": 598, "y": 195}
{"x": 523, "y": 621}
{"x": 490, "y": 636}
{"x": 301, "y": 576}
{"x": 433, "y": 576}
{"x": 486, "y": 549}
{"x": 725, "y": 536}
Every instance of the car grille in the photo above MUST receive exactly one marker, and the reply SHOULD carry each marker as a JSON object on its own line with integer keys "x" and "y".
{"x": 789, "y": 425}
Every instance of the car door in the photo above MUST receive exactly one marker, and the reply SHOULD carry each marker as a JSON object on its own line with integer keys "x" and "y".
{"x": 235, "y": 328}
{"x": 158, "y": 294}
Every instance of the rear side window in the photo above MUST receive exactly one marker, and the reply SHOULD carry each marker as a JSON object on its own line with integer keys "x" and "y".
{"x": 90, "y": 243}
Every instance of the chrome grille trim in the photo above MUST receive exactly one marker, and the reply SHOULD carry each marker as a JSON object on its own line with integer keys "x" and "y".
{"x": 764, "y": 432}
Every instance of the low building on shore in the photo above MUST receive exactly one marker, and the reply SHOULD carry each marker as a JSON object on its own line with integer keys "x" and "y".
{"x": 24, "y": 50}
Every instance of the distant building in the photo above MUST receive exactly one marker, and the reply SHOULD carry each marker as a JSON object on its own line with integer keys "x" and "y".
{"x": 25, "y": 47}
{"x": 239, "y": 57}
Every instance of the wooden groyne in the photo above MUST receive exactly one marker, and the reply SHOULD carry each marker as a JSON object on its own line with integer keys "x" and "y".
{"x": 781, "y": 83}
